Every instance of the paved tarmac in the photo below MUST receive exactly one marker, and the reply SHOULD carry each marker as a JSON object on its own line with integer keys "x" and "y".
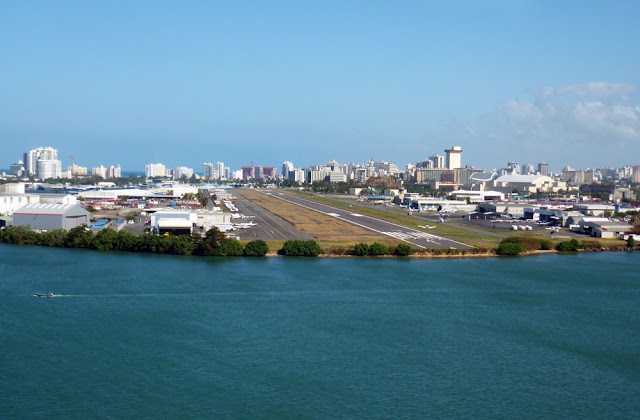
{"x": 418, "y": 238}
{"x": 268, "y": 225}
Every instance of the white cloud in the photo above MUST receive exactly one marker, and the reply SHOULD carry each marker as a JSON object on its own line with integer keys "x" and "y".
{"x": 577, "y": 121}
{"x": 593, "y": 89}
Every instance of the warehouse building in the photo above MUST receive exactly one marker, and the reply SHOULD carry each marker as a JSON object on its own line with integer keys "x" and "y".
{"x": 51, "y": 216}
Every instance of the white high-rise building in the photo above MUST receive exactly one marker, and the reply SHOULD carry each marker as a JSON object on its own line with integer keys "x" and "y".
{"x": 114, "y": 172}
{"x": 32, "y": 157}
{"x": 155, "y": 169}
{"x": 437, "y": 161}
{"x": 287, "y": 168}
{"x": 208, "y": 171}
{"x": 181, "y": 172}
{"x": 100, "y": 171}
{"x": 454, "y": 157}
{"x": 220, "y": 169}
{"x": 48, "y": 168}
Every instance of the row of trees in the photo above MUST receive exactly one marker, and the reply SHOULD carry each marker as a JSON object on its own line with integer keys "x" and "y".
{"x": 213, "y": 244}
{"x": 517, "y": 245}
{"x": 376, "y": 249}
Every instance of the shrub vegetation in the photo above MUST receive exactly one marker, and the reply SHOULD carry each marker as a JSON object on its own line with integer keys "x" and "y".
{"x": 510, "y": 248}
{"x": 298, "y": 248}
{"x": 568, "y": 246}
{"x": 403, "y": 250}
{"x": 257, "y": 248}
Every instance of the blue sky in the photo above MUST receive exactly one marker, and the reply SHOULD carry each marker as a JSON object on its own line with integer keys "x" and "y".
{"x": 187, "y": 82}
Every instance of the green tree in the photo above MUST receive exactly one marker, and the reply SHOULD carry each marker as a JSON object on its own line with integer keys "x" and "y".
{"x": 202, "y": 198}
{"x": 510, "y": 248}
{"x": 21, "y": 235}
{"x": 568, "y": 246}
{"x": 631, "y": 243}
{"x": 403, "y": 250}
{"x": 257, "y": 248}
{"x": 79, "y": 237}
{"x": 361, "y": 249}
{"x": 211, "y": 243}
{"x": 148, "y": 243}
{"x": 126, "y": 241}
{"x": 231, "y": 248}
{"x": 105, "y": 240}
{"x": 54, "y": 238}
{"x": 298, "y": 248}
{"x": 180, "y": 245}
{"x": 377, "y": 248}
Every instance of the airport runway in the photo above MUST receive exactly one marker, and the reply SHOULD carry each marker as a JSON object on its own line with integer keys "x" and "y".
{"x": 418, "y": 238}
{"x": 268, "y": 225}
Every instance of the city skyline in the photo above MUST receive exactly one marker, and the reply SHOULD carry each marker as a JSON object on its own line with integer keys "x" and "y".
{"x": 507, "y": 81}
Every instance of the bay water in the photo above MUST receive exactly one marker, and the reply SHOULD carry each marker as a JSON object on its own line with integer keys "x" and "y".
{"x": 154, "y": 336}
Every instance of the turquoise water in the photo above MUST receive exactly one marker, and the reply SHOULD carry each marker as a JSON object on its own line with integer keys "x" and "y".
{"x": 146, "y": 336}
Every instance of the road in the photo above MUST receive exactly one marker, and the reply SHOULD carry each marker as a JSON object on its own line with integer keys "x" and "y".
{"x": 268, "y": 225}
{"x": 418, "y": 238}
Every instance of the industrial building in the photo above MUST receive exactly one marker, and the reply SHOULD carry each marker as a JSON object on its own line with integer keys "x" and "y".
{"x": 51, "y": 216}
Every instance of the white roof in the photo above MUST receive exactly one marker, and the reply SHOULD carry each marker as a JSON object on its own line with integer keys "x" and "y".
{"x": 174, "y": 223}
{"x": 39, "y": 208}
{"x": 520, "y": 178}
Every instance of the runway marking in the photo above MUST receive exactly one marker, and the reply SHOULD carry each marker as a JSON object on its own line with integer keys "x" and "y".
{"x": 429, "y": 238}
{"x": 357, "y": 214}
{"x": 333, "y": 214}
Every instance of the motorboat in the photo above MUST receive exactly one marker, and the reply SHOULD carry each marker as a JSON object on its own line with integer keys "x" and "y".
{"x": 43, "y": 294}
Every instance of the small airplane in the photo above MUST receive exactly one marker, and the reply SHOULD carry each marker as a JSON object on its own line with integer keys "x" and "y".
{"x": 427, "y": 227}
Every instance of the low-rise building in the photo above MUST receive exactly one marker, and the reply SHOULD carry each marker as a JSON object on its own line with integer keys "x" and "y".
{"x": 51, "y": 216}
{"x": 608, "y": 229}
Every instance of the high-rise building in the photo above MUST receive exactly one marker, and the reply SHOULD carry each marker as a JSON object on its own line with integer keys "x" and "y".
{"x": 182, "y": 172}
{"x": 248, "y": 172}
{"x": 48, "y": 168}
{"x": 220, "y": 168}
{"x": 208, "y": 171}
{"x": 437, "y": 161}
{"x": 287, "y": 167}
{"x": 527, "y": 169}
{"x": 114, "y": 172}
{"x": 32, "y": 157}
{"x": 543, "y": 168}
{"x": 17, "y": 169}
{"x": 454, "y": 157}
{"x": 635, "y": 178}
{"x": 155, "y": 169}
{"x": 513, "y": 168}
{"x": 100, "y": 171}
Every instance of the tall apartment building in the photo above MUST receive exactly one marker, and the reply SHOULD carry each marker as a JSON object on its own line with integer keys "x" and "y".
{"x": 48, "y": 168}
{"x": 100, "y": 171}
{"x": 51, "y": 166}
{"x": 543, "y": 168}
{"x": 182, "y": 172}
{"x": 454, "y": 157}
{"x": 287, "y": 167}
{"x": 635, "y": 178}
{"x": 437, "y": 161}
{"x": 220, "y": 169}
{"x": 155, "y": 169}
{"x": 208, "y": 172}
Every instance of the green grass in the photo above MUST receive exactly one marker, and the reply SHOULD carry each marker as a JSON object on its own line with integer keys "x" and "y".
{"x": 447, "y": 230}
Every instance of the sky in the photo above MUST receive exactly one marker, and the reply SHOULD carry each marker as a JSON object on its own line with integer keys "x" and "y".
{"x": 183, "y": 83}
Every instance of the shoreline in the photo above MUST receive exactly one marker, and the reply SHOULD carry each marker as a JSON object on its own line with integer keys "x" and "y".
{"x": 275, "y": 254}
